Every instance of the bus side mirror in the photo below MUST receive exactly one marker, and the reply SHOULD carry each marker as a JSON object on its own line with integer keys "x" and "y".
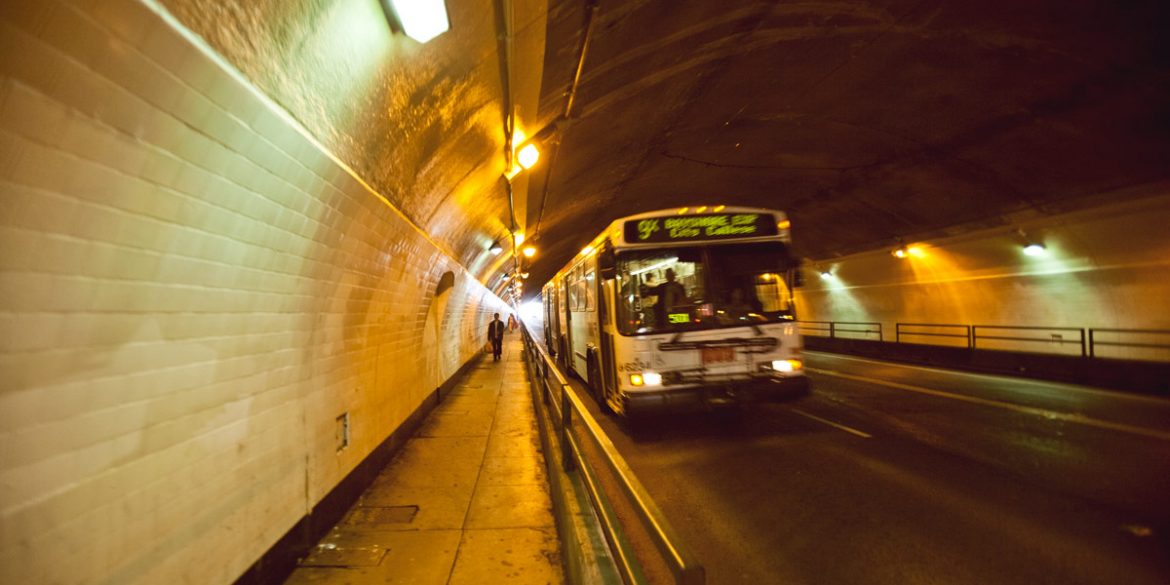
{"x": 606, "y": 263}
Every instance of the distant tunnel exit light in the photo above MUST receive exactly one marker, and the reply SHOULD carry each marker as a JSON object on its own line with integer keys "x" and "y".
{"x": 422, "y": 20}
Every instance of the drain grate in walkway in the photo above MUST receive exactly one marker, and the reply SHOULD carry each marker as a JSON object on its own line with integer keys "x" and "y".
{"x": 331, "y": 555}
{"x": 382, "y": 515}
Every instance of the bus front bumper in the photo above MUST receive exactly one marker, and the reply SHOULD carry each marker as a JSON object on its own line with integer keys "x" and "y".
{"x": 711, "y": 396}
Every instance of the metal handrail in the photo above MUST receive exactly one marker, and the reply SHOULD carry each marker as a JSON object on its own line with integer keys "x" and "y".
{"x": 898, "y": 332}
{"x": 1093, "y": 343}
{"x": 1088, "y": 341}
{"x": 834, "y": 327}
{"x": 686, "y": 569}
{"x": 975, "y": 337}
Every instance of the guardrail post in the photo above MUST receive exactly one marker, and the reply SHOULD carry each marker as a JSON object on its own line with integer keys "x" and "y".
{"x": 1084, "y": 350}
{"x": 971, "y": 334}
{"x": 566, "y": 420}
{"x": 545, "y": 390}
{"x": 1092, "y": 350}
{"x": 832, "y": 330}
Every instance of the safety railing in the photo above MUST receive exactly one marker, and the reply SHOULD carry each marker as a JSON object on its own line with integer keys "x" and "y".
{"x": 1014, "y": 337}
{"x": 563, "y": 402}
{"x": 1142, "y": 342}
{"x": 933, "y": 330}
{"x": 1133, "y": 344}
{"x": 842, "y": 329}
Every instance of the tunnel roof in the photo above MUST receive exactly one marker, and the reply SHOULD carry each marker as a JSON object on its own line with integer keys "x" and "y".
{"x": 866, "y": 121}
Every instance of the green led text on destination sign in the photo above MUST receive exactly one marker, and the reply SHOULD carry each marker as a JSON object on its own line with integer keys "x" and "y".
{"x": 679, "y": 318}
{"x": 700, "y": 227}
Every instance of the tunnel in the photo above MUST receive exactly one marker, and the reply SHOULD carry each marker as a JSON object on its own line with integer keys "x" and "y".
{"x": 247, "y": 246}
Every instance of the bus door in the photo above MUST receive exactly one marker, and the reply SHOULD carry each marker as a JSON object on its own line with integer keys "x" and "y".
{"x": 605, "y": 315}
{"x": 568, "y": 297}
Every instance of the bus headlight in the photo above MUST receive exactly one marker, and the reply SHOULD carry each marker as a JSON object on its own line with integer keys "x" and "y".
{"x": 646, "y": 379}
{"x": 786, "y": 366}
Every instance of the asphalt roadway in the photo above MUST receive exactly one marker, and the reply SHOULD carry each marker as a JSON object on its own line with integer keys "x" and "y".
{"x": 891, "y": 474}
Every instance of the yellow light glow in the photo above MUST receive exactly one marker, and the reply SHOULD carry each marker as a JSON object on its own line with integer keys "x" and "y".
{"x": 701, "y": 209}
{"x": 719, "y": 208}
{"x": 636, "y": 379}
{"x": 899, "y": 253}
{"x": 683, "y": 210}
{"x": 528, "y": 156}
{"x": 784, "y": 224}
{"x": 518, "y": 237}
{"x": 916, "y": 252}
{"x": 587, "y": 250}
{"x": 529, "y": 251}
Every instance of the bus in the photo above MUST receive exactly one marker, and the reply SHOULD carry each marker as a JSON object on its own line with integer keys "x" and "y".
{"x": 681, "y": 309}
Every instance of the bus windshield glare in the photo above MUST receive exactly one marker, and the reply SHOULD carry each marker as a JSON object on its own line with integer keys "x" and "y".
{"x": 704, "y": 287}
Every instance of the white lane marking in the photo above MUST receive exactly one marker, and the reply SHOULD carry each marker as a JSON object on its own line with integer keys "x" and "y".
{"x": 1118, "y": 394}
{"x": 1048, "y": 414}
{"x": 861, "y": 434}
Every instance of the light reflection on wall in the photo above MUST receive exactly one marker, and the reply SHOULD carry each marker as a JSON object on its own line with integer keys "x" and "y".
{"x": 1108, "y": 267}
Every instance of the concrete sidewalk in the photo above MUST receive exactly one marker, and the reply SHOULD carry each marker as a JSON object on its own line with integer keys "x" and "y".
{"x": 466, "y": 501}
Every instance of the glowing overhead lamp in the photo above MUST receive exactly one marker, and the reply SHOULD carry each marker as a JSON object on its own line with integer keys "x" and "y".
{"x": 518, "y": 237}
{"x": 825, "y": 274}
{"x": 719, "y": 208}
{"x": 784, "y": 224}
{"x": 916, "y": 251}
{"x": 528, "y": 155}
{"x": 701, "y": 209}
{"x": 1035, "y": 249}
{"x": 496, "y": 248}
{"x": 529, "y": 251}
{"x": 587, "y": 250}
{"x": 422, "y": 20}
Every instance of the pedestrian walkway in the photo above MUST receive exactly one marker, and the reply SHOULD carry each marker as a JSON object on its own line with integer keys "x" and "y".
{"x": 465, "y": 502}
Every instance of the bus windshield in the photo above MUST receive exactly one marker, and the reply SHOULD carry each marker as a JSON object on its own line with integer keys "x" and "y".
{"x": 704, "y": 287}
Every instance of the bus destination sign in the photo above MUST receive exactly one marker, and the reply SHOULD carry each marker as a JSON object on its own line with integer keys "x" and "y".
{"x": 688, "y": 228}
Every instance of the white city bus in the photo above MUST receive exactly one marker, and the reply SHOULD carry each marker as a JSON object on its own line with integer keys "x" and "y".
{"x": 681, "y": 309}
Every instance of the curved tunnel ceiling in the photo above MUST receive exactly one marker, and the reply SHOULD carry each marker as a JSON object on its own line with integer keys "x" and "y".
{"x": 867, "y": 121}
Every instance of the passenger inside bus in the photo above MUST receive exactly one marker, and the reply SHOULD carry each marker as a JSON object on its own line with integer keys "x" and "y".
{"x": 668, "y": 295}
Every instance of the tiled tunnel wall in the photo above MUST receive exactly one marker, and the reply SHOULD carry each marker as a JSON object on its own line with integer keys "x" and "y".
{"x": 191, "y": 293}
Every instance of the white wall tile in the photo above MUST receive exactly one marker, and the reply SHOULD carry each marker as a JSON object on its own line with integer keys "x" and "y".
{"x": 190, "y": 292}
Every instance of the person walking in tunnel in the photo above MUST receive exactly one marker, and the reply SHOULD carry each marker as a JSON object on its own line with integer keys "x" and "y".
{"x": 511, "y": 322}
{"x": 496, "y": 337}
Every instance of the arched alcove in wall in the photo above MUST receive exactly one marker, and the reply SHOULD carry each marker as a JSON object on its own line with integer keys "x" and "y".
{"x": 432, "y": 329}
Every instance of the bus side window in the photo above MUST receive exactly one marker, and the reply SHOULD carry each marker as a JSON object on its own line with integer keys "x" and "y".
{"x": 590, "y": 291}
{"x": 571, "y": 286}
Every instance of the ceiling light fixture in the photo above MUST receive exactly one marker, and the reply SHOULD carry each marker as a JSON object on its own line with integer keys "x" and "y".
{"x": 1034, "y": 249}
{"x": 421, "y": 20}
{"x": 496, "y": 248}
{"x": 528, "y": 155}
